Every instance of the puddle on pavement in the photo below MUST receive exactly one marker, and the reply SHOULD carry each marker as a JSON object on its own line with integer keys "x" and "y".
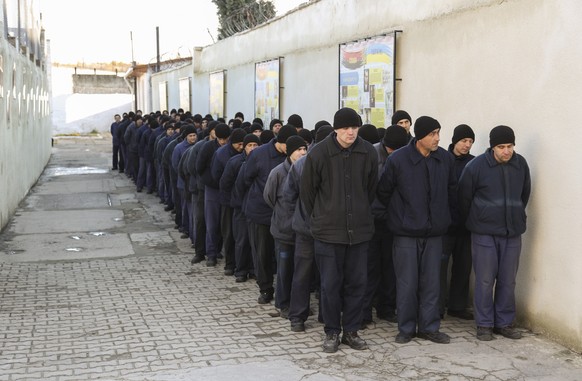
{"x": 76, "y": 237}
{"x": 74, "y": 249}
{"x": 118, "y": 219}
{"x": 14, "y": 252}
{"x": 64, "y": 171}
{"x": 97, "y": 234}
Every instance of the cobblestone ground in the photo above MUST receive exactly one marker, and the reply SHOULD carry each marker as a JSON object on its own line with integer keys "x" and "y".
{"x": 143, "y": 312}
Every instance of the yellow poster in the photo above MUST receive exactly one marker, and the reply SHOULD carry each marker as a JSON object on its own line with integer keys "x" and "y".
{"x": 379, "y": 94}
{"x": 378, "y": 117}
{"x": 375, "y": 76}
{"x": 353, "y": 91}
{"x": 353, "y": 104}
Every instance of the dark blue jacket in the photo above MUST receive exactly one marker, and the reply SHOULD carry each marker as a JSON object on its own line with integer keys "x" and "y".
{"x": 121, "y": 130}
{"x": 144, "y": 144}
{"x": 238, "y": 199}
{"x": 418, "y": 191}
{"x": 228, "y": 180}
{"x": 258, "y": 167}
{"x": 140, "y": 141}
{"x": 176, "y": 156}
{"x": 457, "y": 225}
{"x": 379, "y": 210}
{"x": 194, "y": 183}
{"x": 114, "y": 136}
{"x": 131, "y": 138}
{"x": 493, "y": 196}
{"x": 204, "y": 163}
{"x": 337, "y": 188}
{"x": 221, "y": 157}
{"x": 150, "y": 149}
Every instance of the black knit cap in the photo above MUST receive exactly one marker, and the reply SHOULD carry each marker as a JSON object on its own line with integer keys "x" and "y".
{"x": 250, "y": 138}
{"x": 462, "y": 131}
{"x": 369, "y": 132}
{"x": 285, "y": 132}
{"x": 266, "y": 136}
{"x": 211, "y": 125}
{"x": 222, "y": 131}
{"x": 295, "y": 120}
{"x": 321, "y": 123}
{"x": 322, "y": 132}
{"x": 395, "y": 137}
{"x": 346, "y": 117}
{"x": 306, "y": 135}
{"x": 501, "y": 135}
{"x": 273, "y": 122}
{"x": 399, "y": 115}
{"x": 294, "y": 143}
{"x": 187, "y": 130}
{"x": 237, "y": 135}
{"x": 424, "y": 126}
{"x": 256, "y": 127}
{"x": 258, "y": 121}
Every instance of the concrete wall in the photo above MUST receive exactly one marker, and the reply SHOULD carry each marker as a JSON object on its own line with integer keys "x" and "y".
{"x": 25, "y": 126}
{"x": 480, "y": 62}
{"x": 99, "y": 84}
{"x": 173, "y": 77}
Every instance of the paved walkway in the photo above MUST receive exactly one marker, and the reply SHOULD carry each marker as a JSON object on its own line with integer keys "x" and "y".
{"x": 96, "y": 284}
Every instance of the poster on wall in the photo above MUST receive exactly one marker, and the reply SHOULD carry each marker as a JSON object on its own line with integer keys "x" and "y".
{"x": 267, "y": 90}
{"x": 366, "y": 78}
{"x": 217, "y": 94}
{"x": 185, "y": 96}
{"x": 163, "y": 92}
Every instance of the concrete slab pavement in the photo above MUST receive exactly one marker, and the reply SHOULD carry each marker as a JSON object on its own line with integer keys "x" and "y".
{"x": 129, "y": 306}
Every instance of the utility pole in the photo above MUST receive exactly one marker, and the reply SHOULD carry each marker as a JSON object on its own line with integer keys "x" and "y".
{"x": 157, "y": 48}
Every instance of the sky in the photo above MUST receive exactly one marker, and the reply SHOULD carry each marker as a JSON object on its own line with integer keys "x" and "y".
{"x": 125, "y": 30}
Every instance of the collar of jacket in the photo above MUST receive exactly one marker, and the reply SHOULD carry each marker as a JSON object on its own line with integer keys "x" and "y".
{"x": 273, "y": 150}
{"x": 493, "y": 163}
{"x": 416, "y": 157}
{"x": 333, "y": 148}
{"x": 458, "y": 157}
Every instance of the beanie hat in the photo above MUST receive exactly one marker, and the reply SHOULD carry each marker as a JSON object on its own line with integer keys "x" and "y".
{"x": 322, "y": 132}
{"x": 236, "y": 123}
{"x": 222, "y": 131}
{"x": 346, "y": 117}
{"x": 462, "y": 131}
{"x": 285, "y": 132}
{"x": 381, "y": 131}
{"x": 211, "y": 125}
{"x": 424, "y": 126}
{"x": 256, "y": 127}
{"x": 258, "y": 121}
{"x": 197, "y": 118}
{"x": 306, "y": 135}
{"x": 266, "y": 136}
{"x": 273, "y": 122}
{"x": 399, "y": 115}
{"x": 187, "y": 130}
{"x": 250, "y": 138}
{"x": 501, "y": 135}
{"x": 237, "y": 136}
{"x": 296, "y": 121}
{"x": 294, "y": 143}
{"x": 321, "y": 123}
{"x": 369, "y": 132}
{"x": 395, "y": 137}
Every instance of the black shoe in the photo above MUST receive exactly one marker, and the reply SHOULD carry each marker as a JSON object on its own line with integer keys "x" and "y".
{"x": 241, "y": 279}
{"x": 228, "y": 272}
{"x": 390, "y": 317}
{"x": 210, "y": 262}
{"x": 121, "y": 171}
{"x": 403, "y": 338}
{"x": 197, "y": 259}
{"x": 365, "y": 323}
{"x": 265, "y": 298}
{"x": 162, "y": 202}
{"x": 252, "y": 276}
{"x": 150, "y": 192}
{"x": 354, "y": 341}
{"x": 484, "y": 333}
{"x": 284, "y": 313}
{"x": 138, "y": 190}
{"x": 435, "y": 337}
{"x": 331, "y": 343}
{"x": 114, "y": 169}
{"x": 185, "y": 235}
{"x": 297, "y": 326}
{"x": 461, "y": 314}
{"x": 168, "y": 208}
{"x": 509, "y": 332}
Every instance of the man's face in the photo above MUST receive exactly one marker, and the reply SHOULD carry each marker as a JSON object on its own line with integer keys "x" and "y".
{"x": 139, "y": 122}
{"x": 250, "y": 147}
{"x": 276, "y": 128}
{"x": 503, "y": 152}
{"x": 463, "y": 146}
{"x": 191, "y": 138}
{"x": 204, "y": 124}
{"x": 257, "y": 132}
{"x": 431, "y": 141}
{"x": 238, "y": 146}
{"x": 221, "y": 141}
{"x": 117, "y": 118}
{"x": 212, "y": 135}
{"x": 169, "y": 131}
{"x": 347, "y": 136}
{"x": 404, "y": 123}
{"x": 298, "y": 153}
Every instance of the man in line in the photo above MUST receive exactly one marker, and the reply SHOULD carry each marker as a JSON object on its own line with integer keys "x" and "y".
{"x": 418, "y": 187}
{"x": 457, "y": 242}
{"x": 403, "y": 119}
{"x": 115, "y": 143}
{"x": 338, "y": 185}
{"x": 494, "y": 190}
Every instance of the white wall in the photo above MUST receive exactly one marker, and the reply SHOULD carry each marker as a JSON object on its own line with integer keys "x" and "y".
{"x": 480, "y": 62}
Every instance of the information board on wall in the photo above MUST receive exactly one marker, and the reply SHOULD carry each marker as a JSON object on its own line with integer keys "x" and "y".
{"x": 267, "y": 90}
{"x": 217, "y": 94}
{"x": 185, "y": 95}
{"x": 366, "y": 83}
